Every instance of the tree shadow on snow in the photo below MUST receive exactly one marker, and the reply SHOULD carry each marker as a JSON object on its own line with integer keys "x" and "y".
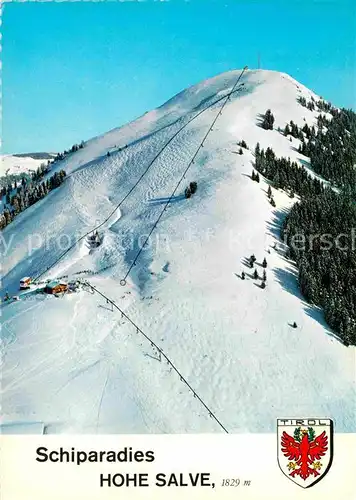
{"x": 164, "y": 200}
{"x": 258, "y": 264}
{"x": 275, "y": 225}
{"x": 246, "y": 276}
{"x": 251, "y": 276}
{"x": 288, "y": 279}
{"x": 305, "y": 163}
{"x": 260, "y": 118}
{"x": 245, "y": 261}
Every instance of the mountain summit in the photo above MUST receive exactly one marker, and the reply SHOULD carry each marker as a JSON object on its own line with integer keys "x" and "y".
{"x": 179, "y": 267}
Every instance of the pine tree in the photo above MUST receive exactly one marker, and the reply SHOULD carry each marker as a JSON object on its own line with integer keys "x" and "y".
{"x": 40, "y": 192}
{"x": 255, "y": 275}
{"x": 268, "y": 120}
{"x": 264, "y": 277}
{"x": 264, "y": 263}
{"x": 7, "y": 216}
{"x": 302, "y": 101}
{"x": 242, "y": 275}
{"x": 2, "y": 221}
{"x": 269, "y": 192}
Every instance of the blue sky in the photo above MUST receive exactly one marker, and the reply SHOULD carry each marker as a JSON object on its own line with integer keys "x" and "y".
{"x": 75, "y": 70}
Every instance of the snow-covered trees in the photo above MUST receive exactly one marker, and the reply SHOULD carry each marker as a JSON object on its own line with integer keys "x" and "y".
{"x": 327, "y": 275}
{"x": 307, "y": 104}
{"x": 327, "y": 268}
{"x": 66, "y": 152}
{"x": 7, "y": 216}
{"x": 286, "y": 130}
{"x": 16, "y": 205}
{"x": 257, "y": 149}
{"x": 2, "y": 221}
{"x": 27, "y": 193}
{"x": 286, "y": 174}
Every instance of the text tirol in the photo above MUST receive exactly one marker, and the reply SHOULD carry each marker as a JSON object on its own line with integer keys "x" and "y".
{"x": 199, "y": 479}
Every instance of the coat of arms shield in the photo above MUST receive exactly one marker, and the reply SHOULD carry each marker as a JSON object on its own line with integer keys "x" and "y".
{"x": 305, "y": 449}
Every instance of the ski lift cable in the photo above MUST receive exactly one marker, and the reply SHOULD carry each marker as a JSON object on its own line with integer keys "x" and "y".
{"x": 210, "y": 412}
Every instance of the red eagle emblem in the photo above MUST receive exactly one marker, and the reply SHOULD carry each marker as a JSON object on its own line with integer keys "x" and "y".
{"x": 304, "y": 451}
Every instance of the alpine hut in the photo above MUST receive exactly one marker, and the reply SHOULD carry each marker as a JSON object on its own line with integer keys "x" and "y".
{"x": 55, "y": 287}
{"x": 25, "y": 283}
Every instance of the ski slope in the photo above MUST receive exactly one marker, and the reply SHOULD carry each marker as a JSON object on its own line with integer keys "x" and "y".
{"x": 73, "y": 365}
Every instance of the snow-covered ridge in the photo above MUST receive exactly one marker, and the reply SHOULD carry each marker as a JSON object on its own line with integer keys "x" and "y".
{"x": 76, "y": 366}
{"x": 22, "y": 163}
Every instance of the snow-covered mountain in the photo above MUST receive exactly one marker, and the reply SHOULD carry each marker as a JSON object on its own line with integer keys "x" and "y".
{"x": 72, "y": 364}
{"x": 22, "y": 163}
